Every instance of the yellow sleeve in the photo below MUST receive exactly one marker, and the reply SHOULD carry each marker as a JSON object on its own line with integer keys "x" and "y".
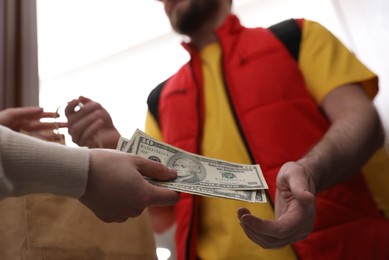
{"x": 327, "y": 64}
{"x": 376, "y": 172}
{"x": 152, "y": 128}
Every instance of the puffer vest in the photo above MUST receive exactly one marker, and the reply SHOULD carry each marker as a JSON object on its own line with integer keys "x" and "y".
{"x": 279, "y": 122}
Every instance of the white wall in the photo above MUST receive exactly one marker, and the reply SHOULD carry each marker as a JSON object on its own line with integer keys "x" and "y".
{"x": 102, "y": 53}
{"x": 366, "y": 26}
{"x": 113, "y": 51}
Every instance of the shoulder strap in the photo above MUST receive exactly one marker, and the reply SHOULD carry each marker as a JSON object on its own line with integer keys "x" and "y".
{"x": 153, "y": 100}
{"x": 289, "y": 33}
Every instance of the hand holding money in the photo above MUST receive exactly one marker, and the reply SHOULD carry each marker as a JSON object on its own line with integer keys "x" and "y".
{"x": 197, "y": 174}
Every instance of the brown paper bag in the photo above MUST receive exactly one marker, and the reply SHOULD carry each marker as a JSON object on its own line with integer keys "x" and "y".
{"x": 57, "y": 228}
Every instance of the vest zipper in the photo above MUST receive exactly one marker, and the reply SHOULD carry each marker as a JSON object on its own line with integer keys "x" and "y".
{"x": 238, "y": 124}
{"x": 199, "y": 137}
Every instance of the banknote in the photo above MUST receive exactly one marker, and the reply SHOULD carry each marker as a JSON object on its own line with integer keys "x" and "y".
{"x": 193, "y": 169}
{"x": 243, "y": 195}
{"x": 122, "y": 143}
{"x": 198, "y": 174}
{"x": 126, "y": 145}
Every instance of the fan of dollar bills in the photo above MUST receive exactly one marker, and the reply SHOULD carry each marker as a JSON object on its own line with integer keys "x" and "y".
{"x": 197, "y": 174}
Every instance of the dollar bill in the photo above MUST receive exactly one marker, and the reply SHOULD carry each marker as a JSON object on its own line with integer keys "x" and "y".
{"x": 122, "y": 143}
{"x": 198, "y": 174}
{"x": 243, "y": 195}
{"x": 126, "y": 145}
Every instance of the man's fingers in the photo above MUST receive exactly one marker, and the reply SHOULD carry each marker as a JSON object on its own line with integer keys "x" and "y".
{"x": 154, "y": 170}
{"x": 158, "y": 196}
{"x": 89, "y": 132}
{"x": 162, "y": 196}
{"x": 242, "y": 211}
{"x": 267, "y": 242}
{"x": 69, "y": 110}
{"x": 84, "y": 99}
{"x": 280, "y": 229}
{"x": 254, "y": 236}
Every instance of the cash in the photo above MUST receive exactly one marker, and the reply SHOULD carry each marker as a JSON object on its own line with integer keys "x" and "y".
{"x": 198, "y": 174}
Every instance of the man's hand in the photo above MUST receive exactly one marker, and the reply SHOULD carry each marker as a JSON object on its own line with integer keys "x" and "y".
{"x": 117, "y": 190}
{"x": 294, "y": 210}
{"x": 90, "y": 124}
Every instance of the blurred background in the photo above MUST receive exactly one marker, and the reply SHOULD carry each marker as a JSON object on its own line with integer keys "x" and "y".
{"x": 116, "y": 51}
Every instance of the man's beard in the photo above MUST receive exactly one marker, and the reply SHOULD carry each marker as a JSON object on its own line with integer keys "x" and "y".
{"x": 196, "y": 16}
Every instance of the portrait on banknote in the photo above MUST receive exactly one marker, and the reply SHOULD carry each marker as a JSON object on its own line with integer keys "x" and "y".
{"x": 189, "y": 169}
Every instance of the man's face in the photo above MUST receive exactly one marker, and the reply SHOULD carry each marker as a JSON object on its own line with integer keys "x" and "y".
{"x": 188, "y": 16}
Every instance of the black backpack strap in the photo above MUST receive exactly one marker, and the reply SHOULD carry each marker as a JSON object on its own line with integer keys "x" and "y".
{"x": 153, "y": 100}
{"x": 289, "y": 33}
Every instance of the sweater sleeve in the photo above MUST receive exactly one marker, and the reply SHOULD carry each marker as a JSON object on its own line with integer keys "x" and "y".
{"x": 29, "y": 165}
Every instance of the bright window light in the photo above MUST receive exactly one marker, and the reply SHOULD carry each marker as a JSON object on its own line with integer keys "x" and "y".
{"x": 98, "y": 49}
{"x": 163, "y": 253}
{"x": 116, "y": 51}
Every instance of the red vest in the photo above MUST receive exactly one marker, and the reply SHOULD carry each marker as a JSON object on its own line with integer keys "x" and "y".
{"x": 279, "y": 122}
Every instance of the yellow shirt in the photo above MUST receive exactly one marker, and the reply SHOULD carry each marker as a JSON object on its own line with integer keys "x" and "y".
{"x": 220, "y": 235}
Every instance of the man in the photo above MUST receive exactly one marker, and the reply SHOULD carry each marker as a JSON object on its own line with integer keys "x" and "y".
{"x": 293, "y": 100}
{"x": 308, "y": 121}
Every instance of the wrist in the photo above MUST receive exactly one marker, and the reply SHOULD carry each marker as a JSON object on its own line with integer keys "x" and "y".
{"x": 312, "y": 171}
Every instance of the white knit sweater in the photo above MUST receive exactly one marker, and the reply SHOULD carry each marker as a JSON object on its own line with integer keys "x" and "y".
{"x": 29, "y": 165}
